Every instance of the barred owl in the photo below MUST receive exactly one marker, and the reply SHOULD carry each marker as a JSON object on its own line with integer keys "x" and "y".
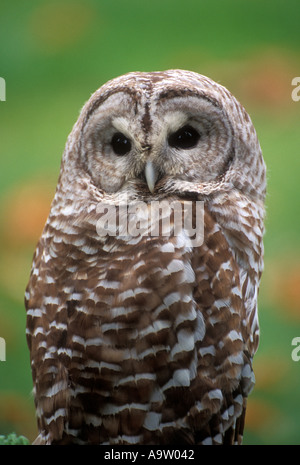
{"x": 149, "y": 338}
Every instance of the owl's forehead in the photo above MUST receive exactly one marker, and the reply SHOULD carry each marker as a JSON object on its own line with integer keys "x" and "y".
{"x": 160, "y": 84}
{"x": 159, "y": 80}
{"x": 138, "y": 96}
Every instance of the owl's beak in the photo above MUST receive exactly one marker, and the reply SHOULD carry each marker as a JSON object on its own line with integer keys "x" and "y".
{"x": 150, "y": 175}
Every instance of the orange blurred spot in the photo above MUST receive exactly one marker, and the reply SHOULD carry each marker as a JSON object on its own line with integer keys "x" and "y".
{"x": 19, "y": 412}
{"x": 260, "y": 415}
{"x": 282, "y": 286}
{"x": 25, "y": 212}
{"x": 267, "y": 79}
{"x": 289, "y": 292}
{"x": 57, "y": 25}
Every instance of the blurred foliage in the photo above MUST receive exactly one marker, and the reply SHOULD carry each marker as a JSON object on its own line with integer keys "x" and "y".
{"x": 53, "y": 55}
{"x": 13, "y": 440}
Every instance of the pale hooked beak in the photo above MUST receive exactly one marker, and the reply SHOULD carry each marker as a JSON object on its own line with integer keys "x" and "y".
{"x": 150, "y": 175}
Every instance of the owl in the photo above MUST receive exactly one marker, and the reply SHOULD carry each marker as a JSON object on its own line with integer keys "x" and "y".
{"x": 142, "y": 335}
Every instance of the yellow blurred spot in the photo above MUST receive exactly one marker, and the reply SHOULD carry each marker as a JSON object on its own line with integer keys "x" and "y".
{"x": 270, "y": 372}
{"x": 15, "y": 266}
{"x": 57, "y": 25}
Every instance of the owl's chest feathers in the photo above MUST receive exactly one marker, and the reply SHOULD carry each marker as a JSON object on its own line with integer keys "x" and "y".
{"x": 128, "y": 288}
{"x": 125, "y": 285}
{"x": 129, "y": 313}
{"x": 128, "y": 300}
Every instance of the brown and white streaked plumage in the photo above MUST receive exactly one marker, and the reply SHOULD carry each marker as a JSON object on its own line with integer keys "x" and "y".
{"x": 149, "y": 339}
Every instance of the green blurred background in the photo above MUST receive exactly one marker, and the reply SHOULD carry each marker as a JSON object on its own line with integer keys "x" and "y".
{"x": 53, "y": 55}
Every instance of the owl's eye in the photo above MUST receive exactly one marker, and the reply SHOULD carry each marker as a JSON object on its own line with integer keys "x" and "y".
{"x": 120, "y": 144}
{"x": 185, "y": 138}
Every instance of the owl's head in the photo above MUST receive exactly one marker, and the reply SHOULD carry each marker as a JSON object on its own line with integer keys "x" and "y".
{"x": 165, "y": 132}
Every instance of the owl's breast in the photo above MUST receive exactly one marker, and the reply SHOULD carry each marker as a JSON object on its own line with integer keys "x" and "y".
{"x": 132, "y": 331}
{"x": 138, "y": 302}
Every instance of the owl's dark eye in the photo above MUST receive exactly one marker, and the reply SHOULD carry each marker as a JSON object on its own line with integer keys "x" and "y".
{"x": 120, "y": 144}
{"x": 185, "y": 138}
